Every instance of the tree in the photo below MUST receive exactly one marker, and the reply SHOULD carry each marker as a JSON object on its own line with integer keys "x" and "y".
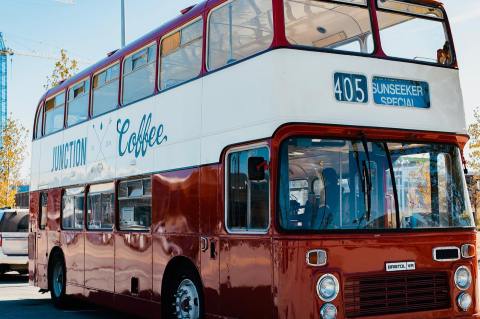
{"x": 64, "y": 69}
{"x": 12, "y": 155}
{"x": 474, "y": 143}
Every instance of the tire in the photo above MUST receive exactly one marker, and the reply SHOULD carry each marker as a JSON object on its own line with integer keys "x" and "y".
{"x": 57, "y": 281}
{"x": 183, "y": 296}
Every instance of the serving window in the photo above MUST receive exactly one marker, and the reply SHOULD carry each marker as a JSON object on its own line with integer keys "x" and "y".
{"x": 73, "y": 208}
{"x": 101, "y": 207}
{"x": 135, "y": 204}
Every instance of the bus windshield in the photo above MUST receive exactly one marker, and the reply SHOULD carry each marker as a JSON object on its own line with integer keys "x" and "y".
{"x": 362, "y": 185}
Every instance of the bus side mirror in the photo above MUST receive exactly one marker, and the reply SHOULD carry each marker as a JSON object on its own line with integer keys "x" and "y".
{"x": 256, "y": 168}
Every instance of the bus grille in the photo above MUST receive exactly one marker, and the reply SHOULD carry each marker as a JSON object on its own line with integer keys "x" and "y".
{"x": 396, "y": 293}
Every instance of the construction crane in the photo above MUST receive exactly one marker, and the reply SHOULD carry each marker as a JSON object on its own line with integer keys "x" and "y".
{"x": 3, "y": 86}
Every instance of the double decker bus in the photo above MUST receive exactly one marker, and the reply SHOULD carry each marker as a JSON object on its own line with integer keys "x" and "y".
{"x": 262, "y": 159}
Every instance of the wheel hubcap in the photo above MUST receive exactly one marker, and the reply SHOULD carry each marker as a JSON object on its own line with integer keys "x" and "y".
{"x": 58, "y": 279}
{"x": 187, "y": 304}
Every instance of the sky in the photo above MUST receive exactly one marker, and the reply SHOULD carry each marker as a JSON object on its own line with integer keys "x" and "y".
{"x": 89, "y": 29}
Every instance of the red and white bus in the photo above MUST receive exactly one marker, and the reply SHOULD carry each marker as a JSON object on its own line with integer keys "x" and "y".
{"x": 262, "y": 159}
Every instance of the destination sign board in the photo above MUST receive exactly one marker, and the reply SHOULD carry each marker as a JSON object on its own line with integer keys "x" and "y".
{"x": 399, "y": 92}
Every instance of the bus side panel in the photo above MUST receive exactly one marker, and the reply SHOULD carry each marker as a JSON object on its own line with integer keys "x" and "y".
{"x": 32, "y": 238}
{"x": 175, "y": 206}
{"x": 209, "y": 229}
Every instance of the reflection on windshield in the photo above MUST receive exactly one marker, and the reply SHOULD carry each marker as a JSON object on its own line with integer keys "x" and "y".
{"x": 326, "y": 185}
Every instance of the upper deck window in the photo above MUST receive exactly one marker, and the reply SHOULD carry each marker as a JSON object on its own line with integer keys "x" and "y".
{"x": 39, "y": 123}
{"x": 414, "y": 32}
{"x": 181, "y": 55}
{"x": 105, "y": 90}
{"x": 54, "y": 113}
{"x": 77, "y": 107}
{"x": 327, "y": 25}
{"x": 139, "y": 74}
{"x": 238, "y": 30}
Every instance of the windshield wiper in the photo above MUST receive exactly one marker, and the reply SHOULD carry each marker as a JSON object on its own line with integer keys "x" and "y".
{"x": 394, "y": 185}
{"x": 368, "y": 177}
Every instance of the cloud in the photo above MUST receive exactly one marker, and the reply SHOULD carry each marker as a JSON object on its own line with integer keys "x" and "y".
{"x": 466, "y": 16}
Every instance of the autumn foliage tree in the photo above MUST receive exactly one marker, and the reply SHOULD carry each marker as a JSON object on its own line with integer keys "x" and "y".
{"x": 12, "y": 155}
{"x": 65, "y": 68}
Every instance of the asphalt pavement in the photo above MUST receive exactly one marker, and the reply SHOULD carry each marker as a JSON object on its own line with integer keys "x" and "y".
{"x": 18, "y": 300}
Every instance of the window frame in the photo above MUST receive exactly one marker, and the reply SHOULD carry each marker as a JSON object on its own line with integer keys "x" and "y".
{"x": 207, "y": 39}
{"x": 97, "y": 73}
{"x": 446, "y": 26}
{"x": 123, "y": 74}
{"x": 373, "y": 27}
{"x": 118, "y": 198}
{"x": 64, "y": 191}
{"x": 39, "y": 120}
{"x": 67, "y": 99}
{"x": 87, "y": 194}
{"x": 226, "y": 167}
{"x": 159, "y": 52}
{"x": 53, "y": 97}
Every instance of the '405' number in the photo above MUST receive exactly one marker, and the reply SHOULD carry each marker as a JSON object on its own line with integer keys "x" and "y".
{"x": 351, "y": 88}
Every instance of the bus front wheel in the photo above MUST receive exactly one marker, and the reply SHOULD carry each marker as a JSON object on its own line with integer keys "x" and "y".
{"x": 183, "y": 297}
{"x": 57, "y": 281}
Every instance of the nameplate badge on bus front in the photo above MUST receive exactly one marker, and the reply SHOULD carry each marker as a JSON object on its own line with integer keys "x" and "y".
{"x": 401, "y": 93}
{"x": 400, "y": 266}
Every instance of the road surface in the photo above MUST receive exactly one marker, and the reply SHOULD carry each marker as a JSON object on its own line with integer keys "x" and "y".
{"x": 20, "y": 301}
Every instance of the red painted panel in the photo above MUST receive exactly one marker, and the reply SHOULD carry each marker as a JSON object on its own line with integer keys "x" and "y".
{"x": 246, "y": 278}
{"x": 73, "y": 246}
{"x": 350, "y": 255}
{"x": 133, "y": 259}
{"x": 99, "y": 261}
{"x": 32, "y": 238}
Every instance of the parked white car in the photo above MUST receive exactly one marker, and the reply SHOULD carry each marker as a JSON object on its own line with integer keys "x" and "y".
{"x": 14, "y": 240}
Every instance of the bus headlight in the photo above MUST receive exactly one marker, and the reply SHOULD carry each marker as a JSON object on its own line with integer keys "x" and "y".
{"x": 463, "y": 278}
{"x": 328, "y": 287}
{"x": 464, "y": 301}
{"x": 328, "y": 311}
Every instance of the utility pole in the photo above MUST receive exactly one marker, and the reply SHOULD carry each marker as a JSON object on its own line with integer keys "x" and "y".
{"x": 123, "y": 22}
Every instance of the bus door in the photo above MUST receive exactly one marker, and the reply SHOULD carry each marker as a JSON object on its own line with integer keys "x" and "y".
{"x": 133, "y": 241}
{"x": 210, "y": 213}
{"x": 246, "y": 248}
{"x": 99, "y": 242}
{"x": 42, "y": 241}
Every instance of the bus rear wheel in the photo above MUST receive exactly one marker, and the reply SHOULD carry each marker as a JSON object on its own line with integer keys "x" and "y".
{"x": 57, "y": 281}
{"x": 183, "y": 297}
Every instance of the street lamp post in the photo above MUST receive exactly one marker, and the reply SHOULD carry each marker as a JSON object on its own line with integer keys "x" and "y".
{"x": 123, "y": 22}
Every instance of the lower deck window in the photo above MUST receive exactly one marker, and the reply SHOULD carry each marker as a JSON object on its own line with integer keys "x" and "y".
{"x": 100, "y": 207}
{"x": 135, "y": 204}
{"x": 248, "y": 200}
{"x": 73, "y": 208}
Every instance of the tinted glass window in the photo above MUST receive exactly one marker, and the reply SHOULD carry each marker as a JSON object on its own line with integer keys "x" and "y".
{"x": 181, "y": 55}
{"x": 322, "y": 24}
{"x": 238, "y": 30}
{"x": 73, "y": 208}
{"x": 54, "y": 114}
{"x": 135, "y": 204}
{"x": 139, "y": 75}
{"x": 248, "y": 200}
{"x": 101, "y": 207}
{"x": 105, "y": 90}
{"x": 77, "y": 107}
{"x": 43, "y": 210}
